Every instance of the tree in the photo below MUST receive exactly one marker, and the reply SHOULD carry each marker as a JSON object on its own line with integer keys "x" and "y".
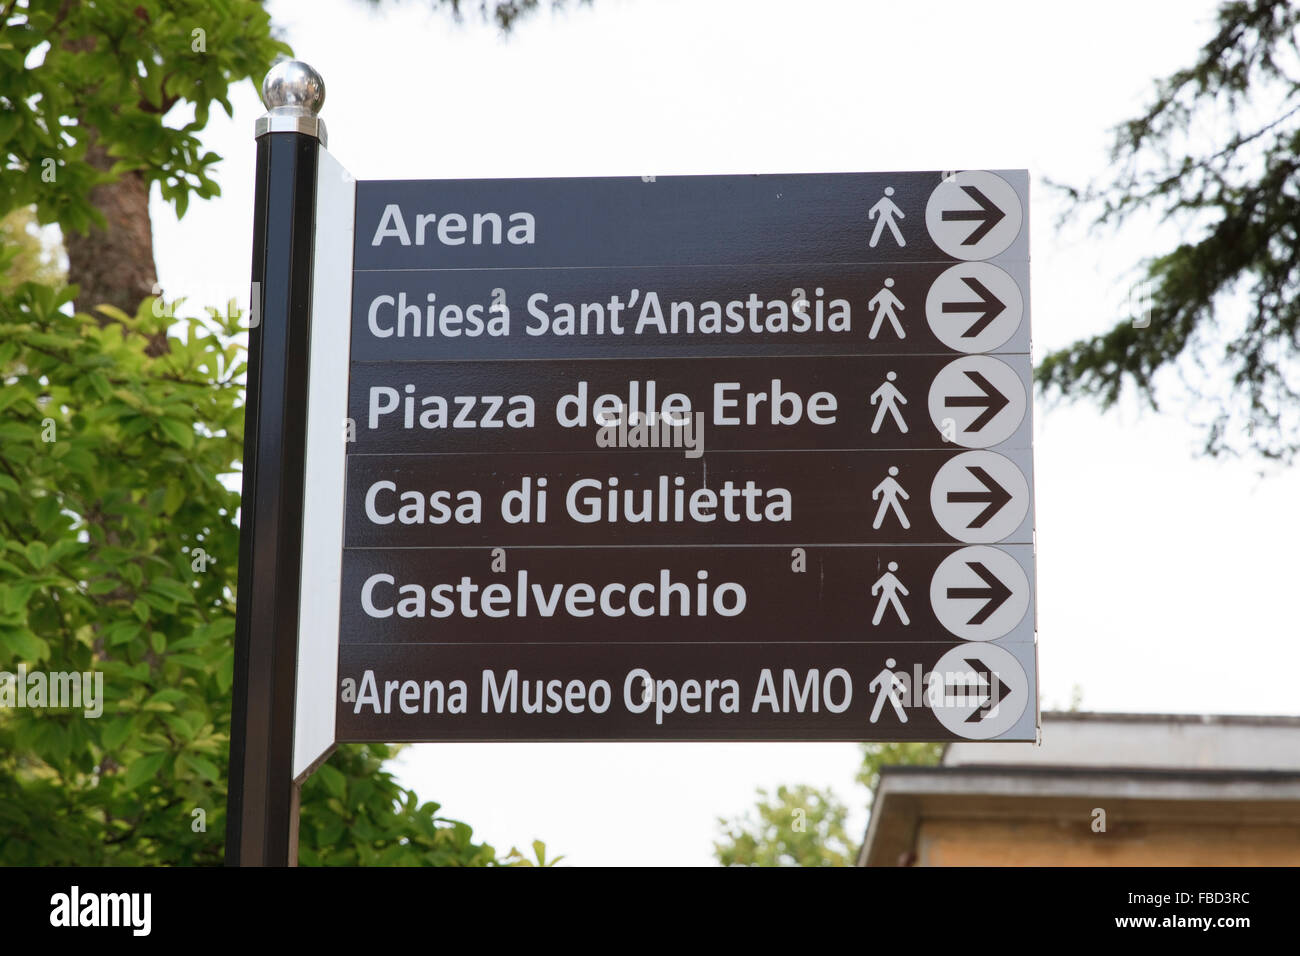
{"x": 504, "y": 13}
{"x": 118, "y": 424}
{"x": 798, "y": 826}
{"x": 804, "y": 825}
{"x": 120, "y": 550}
{"x": 85, "y": 89}
{"x": 1217, "y": 152}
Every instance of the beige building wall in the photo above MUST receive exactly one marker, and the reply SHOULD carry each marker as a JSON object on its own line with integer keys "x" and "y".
{"x": 1100, "y": 790}
{"x": 956, "y": 842}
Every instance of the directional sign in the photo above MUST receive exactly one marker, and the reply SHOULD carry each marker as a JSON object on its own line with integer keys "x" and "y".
{"x": 631, "y": 595}
{"x": 796, "y": 690}
{"x": 866, "y": 308}
{"x": 685, "y": 458}
{"x": 674, "y": 221}
{"x": 649, "y": 497}
{"x": 799, "y": 402}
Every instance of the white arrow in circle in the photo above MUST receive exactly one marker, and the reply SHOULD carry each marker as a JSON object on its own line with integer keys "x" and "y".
{"x": 974, "y": 214}
{"x": 977, "y": 691}
{"x": 979, "y": 593}
{"x": 974, "y": 307}
{"x": 980, "y": 497}
{"x": 982, "y": 396}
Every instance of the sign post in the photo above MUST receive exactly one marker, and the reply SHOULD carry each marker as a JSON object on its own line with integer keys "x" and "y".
{"x": 262, "y": 816}
{"x": 677, "y": 458}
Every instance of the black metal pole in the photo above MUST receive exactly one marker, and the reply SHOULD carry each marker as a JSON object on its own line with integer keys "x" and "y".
{"x": 261, "y": 806}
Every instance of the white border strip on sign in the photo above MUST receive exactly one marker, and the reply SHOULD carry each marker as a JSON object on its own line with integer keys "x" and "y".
{"x": 322, "y": 531}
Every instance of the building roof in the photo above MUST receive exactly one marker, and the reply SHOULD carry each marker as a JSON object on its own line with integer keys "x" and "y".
{"x": 1171, "y": 768}
{"x": 1210, "y": 741}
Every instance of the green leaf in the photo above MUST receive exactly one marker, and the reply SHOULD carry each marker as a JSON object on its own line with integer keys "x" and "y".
{"x": 206, "y": 768}
{"x": 180, "y": 432}
{"x": 173, "y": 498}
{"x": 13, "y": 597}
{"x": 116, "y": 732}
{"x": 120, "y": 632}
{"x": 169, "y": 695}
{"x": 37, "y": 552}
{"x": 142, "y": 769}
{"x": 333, "y": 781}
{"x": 24, "y": 644}
{"x": 113, "y": 312}
{"x": 171, "y": 588}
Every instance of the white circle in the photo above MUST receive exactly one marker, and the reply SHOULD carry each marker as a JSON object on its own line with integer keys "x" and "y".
{"x": 973, "y": 214}
{"x": 977, "y": 691}
{"x": 979, "y": 497}
{"x": 955, "y": 593}
{"x": 977, "y": 401}
{"x": 974, "y": 307}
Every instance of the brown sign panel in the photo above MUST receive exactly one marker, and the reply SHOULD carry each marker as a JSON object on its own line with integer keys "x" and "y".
{"x": 684, "y": 691}
{"x": 792, "y": 403}
{"x": 722, "y": 310}
{"x": 698, "y": 458}
{"x": 915, "y": 216}
{"x": 616, "y": 595}
{"x": 628, "y": 497}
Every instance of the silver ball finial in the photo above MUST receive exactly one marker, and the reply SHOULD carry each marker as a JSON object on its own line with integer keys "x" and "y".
{"x": 293, "y": 86}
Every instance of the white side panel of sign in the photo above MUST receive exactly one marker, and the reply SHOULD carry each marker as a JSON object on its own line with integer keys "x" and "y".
{"x": 322, "y": 533}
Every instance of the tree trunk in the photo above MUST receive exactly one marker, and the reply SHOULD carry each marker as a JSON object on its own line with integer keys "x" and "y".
{"x": 115, "y": 266}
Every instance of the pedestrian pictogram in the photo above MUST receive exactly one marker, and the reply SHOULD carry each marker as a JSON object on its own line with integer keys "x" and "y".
{"x": 884, "y": 304}
{"x": 889, "y": 587}
{"x": 888, "y": 493}
{"x": 884, "y": 212}
{"x": 890, "y": 687}
{"x": 888, "y": 397}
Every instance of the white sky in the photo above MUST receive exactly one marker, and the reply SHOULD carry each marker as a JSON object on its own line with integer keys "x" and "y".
{"x": 1165, "y": 580}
